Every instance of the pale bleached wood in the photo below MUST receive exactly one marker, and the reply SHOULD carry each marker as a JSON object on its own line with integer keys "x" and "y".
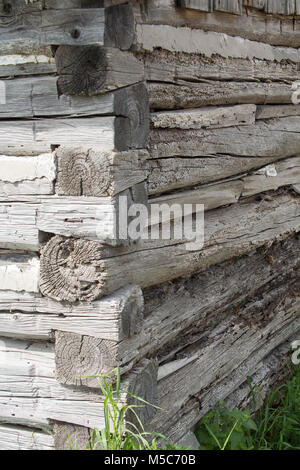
{"x": 21, "y": 438}
{"x": 30, "y": 394}
{"x": 91, "y": 70}
{"x": 22, "y": 222}
{"x": 189, "y": 95}
{"x": 19, "y": 272}
{"x": 228, "y": 233}
{"x": 206, "y": 118}
{"x": 115, "y": 318}
{"x": 208, "y": 43}
{"x": 166, "y": 174}
{"x": 38, "y": 97}
{"x": 278, "y": 138}
{"x": 36, "y": 137}
{"x": 27, "y": 175}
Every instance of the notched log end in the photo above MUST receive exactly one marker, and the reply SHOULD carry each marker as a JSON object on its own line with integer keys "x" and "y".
{"x": 71, "y": 270}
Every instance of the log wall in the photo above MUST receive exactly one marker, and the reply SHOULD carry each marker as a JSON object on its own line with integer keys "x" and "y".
{"x": 157, "y": 102}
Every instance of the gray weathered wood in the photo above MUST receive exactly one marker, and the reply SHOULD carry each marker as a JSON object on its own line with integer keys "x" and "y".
{"x": 91, "y": 70}
{"x": 278, "y": 138}
{"x": 273, "y": 111}
{"x": 228, "y": 233}
{"x": 206, "y": 118}
{"x": 27, "y": 315}
{"x": 92, "y": 172}
{"x": 191, "y": 95}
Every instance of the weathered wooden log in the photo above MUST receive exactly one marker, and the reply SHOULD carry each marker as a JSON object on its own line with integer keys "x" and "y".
{"x": 232, "y": 344}
{"x": 225, "y": 16}
{"x": 206, "y": 118}
{"x": 278, "y": 137}
{"x": 167, "y": 174}
{"x": 208, "y": 43}
{"x": 92, "y": 172}
{"x": 272, "y": 111}
{"x": 38, "y": 97}
{"x": 22, "y": 438}
{"x": 164, "y": 96}
{"x": 25, "y": 59}
{"x": 28, "y": 370}
{"x": 84, "y": 270}
{"x": 272, "y": 177}
{"x": 265, "y": 375}
{"x": 180, "y": 68}
{"x": 30, "y": 137}
{"x": 92, "y": 70}
{"x": 25, "y": 315}
{"x": 67, "y": 24}
{"x": 27, "y": 175}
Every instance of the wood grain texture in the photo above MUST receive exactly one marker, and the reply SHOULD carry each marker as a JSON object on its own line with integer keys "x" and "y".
{"x": 22, "y": 438}
{"x": 278, "y": 138}
{"x": 165, "y": 96}
{"x": 92, "y": 70}
{"x": 93, "y": 172}
{"x": 115, "y": 318}
{"x": 229, "y": 233}
{"x": 255, "y": 23}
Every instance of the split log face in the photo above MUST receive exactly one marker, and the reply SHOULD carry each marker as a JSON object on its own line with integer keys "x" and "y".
{"x": 66, "y": 433}
{"x": 119, "y": 27}
{"x": 80, "y": 358}
{"x": 71, "y": 269}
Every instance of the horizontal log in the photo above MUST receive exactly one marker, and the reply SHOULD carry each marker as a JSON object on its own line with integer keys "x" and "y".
{"x": 35, "y": 137}
{"x": 267, "y": 374}
{"x": 22, "y": 438}
{"x": 25, "y": 315}
{"x": 228, "y": 233}
{"x": 23, "y": 222}
{"x": 92, "y": 70}
{"x": 209, "y": 43}
{"x": 19, "y": 272}
{"x": 233, "y": 343}
{"x": 68, "y": 24}
{"x": 38, "y": 97}
{"x": 27, "y": 175}
{"x": 257, "y": 25}
{"x": 164, "y": 96}
{"x": 21, "y": 59}
{"x": 206, "y": 118}
{"x": 30, "y": 395}
{"x": 278, "y": 138}
{"x": 282, "y": 173}
{"x": 167, "y": 174}
{"x": 180, "y": 68}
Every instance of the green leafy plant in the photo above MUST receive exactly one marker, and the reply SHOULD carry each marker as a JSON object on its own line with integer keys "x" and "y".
{"x": 121, "y": 433}
{"x": 275, "y": 426}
